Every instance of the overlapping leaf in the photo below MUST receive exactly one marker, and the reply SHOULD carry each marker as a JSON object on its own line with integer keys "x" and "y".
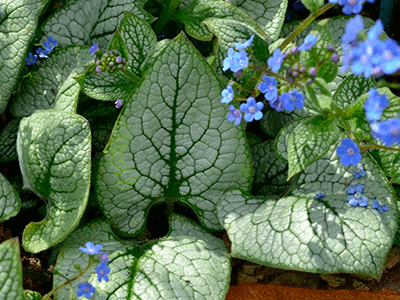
{"x": 268, "y": 14}
{"x": 186, "y": 264}
{"x": 269, "y": 172}
{"x": 82, "y": 22}
{"x": 53, "y": 82}
{"x": 10, "y": 203}
{"x": 309, "y": 141}
{"x": 54, "y": 149}
{"x": 10, "y": 271}
{"x": 172, "y": 143}
{"x": 8, "y": 141}
{"x": 322, "y": 236}
{"x": 18, "y": 22}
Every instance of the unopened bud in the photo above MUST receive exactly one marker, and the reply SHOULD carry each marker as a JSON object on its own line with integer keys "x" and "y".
{"x": 335, "y": 57}
{"x": 294, "y": 50}
{"x": 313, "y": 72}
{"x": 310, "y": 81}
{"x": 295, "y": 74}
{"x": 296, "y": 66}
{"x": 330, "y": 48}
{"x": 119, "y": 59}
{"x": 289, "y": 71}
{"x": 98, "y": 69}
{"x": 290, "y": 80}
{"x": 302, "y": 69}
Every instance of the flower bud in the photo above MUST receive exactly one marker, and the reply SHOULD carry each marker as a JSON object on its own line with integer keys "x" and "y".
{"x": 98, "y": 69}
{"x": 310, "y": 81}
{"x": 313, "y": 72}
{"x": 119, "y": 59}
{"x": 295, "y": 66}
{"x": 330, "y": 48}
{"x": 295, "y": 74}
{"x": 289, "y": 71}
{"x": 302, "y": 69}
{"x": 290, "y": 80}
{"x": 294, "y": 50}
{"x": 335, "y": 57}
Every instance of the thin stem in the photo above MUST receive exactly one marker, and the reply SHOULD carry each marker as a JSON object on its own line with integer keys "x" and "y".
{"x": 305, "y": 23}
{"x": 69, "y": 281}
{"x": 375, "y": 146}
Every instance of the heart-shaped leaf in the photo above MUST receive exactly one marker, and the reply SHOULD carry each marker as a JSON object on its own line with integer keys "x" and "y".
{"x": 53, "y": 82}
{"x": 188, "y": 263}
{"x": 10, "y": 271}
{"x": 303, "y": 233}
{"x": 54, "y": 149}
{"x": 172, "y": 142}
{"x": 18, "y": 22}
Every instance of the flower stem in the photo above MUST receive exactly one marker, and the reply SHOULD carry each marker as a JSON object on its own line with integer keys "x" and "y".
{"x": 305, "y": 23}
{"x": 375, "y": 146}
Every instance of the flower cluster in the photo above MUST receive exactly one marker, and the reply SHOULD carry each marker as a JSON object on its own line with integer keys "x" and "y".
{"x": 49, "y": 45}
{"x": 111, "y": 61}
{"x": 369, "y": 54}
{"x": 86, "y": 289}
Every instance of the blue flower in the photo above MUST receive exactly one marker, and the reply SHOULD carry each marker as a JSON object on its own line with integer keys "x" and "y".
{"x": 378, "y": 206}
{"x": 94, "y": 48}
{"x": 353, "y": 27}
{"x": 359, "y": 171}
{"x": 228, "y": 61}
{"x": 91, "y": 249}
{"x": 104, "y": 258}
{"x": 355, "y": 188}
{"x": 362, "y": 59}
{"x": 275, "y": 61}
{"x": 252, "y": 109}
{"x": 102, "y": 270}
{"x": 309, "y": 42}
{"x": 319, "y": 196}
{"x": 276, "y": 104}
{"x": 41, "y": 53}
{"x": 50, "y": 44}
{"x": 388, "y": 131}
{"x": 348, "y": 152}
{"x": 246, "y": 44}
{"x": 235, "y": 115}
{"x": 85, "y": 289}
{"x": 269, "y": 87}
{"x": 240, "y": 61}
{"x": 31, "y": 59}
{"x": 292, "y": 99}
{"x": 357, "y": 199}
{"x": 351, "y": 6}
{"x": 387, "y": 56}
{"x": 375, "y": 105}
{"x": 227, "y": 95}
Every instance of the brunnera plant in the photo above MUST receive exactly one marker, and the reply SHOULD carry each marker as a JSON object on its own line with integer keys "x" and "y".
{"x": 119, "y": 107}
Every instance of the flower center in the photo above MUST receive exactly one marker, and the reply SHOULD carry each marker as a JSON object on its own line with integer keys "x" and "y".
{"x": 350, "y": 151}
{"x": 236, "y": 113}
{"x": 387, "y": 54}
{"x": 252, "y": 109}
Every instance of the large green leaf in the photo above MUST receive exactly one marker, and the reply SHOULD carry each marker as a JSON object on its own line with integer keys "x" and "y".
{"x": 8, "y": 141}
{"x": 186, "y": 264}
{"x": 81, "y": 22}
{"x": 10, "y": 271}
{"x": 54, "y": 149}
{"x": 309, "y": 141}
{"x": 10, "y": 203}
{"x": 52, "y": 85}
{"x": 269, "y": 172}
{"x": 323, "y": 236}
{"x": 172, "y": 142}
{"x": 18, "y": 22}
{"x": 32, "y": 295}
{"x": 269, "y": 14}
